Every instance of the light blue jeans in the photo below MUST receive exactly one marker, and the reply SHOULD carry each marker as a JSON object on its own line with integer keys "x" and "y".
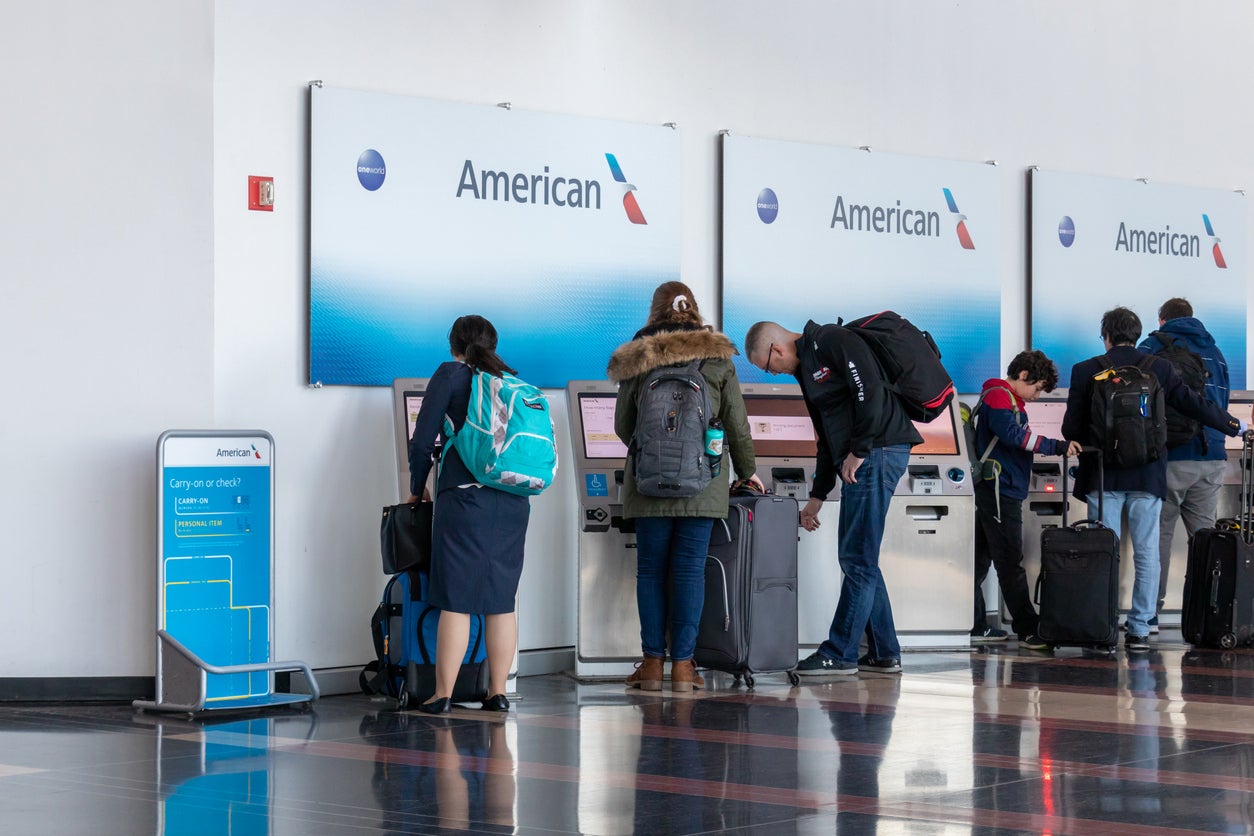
{"x": 1143, "y": 513}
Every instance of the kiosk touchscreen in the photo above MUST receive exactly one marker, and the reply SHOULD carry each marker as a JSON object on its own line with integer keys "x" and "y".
{"x": 607, "y": 639}
{"x": 783, "y": 438}
{"x": 926, "y": 555}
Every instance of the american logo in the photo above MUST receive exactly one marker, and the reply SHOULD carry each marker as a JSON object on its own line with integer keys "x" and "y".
{"x": 964, "y": 237}
{"x": 629, "y": 199}
{"x": 1214, "y": 239}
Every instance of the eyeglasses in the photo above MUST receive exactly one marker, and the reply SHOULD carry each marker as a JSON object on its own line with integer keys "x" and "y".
{"x": 766, "y": 367}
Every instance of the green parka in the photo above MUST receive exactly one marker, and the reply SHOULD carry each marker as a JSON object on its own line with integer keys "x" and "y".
{"x": 629, "y": 365}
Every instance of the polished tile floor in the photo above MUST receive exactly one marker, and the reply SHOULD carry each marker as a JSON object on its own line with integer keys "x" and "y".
{"x": 991, "y": 741}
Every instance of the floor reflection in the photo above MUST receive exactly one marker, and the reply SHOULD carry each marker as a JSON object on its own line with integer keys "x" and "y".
{"x": 989, "y": 742}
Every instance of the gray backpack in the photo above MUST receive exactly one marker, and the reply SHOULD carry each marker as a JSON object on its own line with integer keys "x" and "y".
{"x": 673, "y": 409}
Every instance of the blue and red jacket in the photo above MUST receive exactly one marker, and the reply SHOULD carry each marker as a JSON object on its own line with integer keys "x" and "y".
{"x": 1004, "y": 414}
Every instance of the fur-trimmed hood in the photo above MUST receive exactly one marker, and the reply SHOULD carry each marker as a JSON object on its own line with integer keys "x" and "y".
{"x": 667, "y": 348}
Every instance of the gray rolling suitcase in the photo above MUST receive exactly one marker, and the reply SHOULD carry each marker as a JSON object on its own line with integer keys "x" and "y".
{"x": 749, "y": 621}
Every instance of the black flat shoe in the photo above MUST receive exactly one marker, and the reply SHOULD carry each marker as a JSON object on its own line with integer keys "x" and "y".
{"x": 440, "y": 706}
{"x": 496, "y": 702}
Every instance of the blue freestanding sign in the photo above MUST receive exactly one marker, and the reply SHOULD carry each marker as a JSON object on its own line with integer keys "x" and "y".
{"x": 215, "y": 545}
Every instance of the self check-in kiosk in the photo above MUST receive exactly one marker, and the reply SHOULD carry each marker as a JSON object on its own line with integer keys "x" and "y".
{"x": 929, "y": 538}
{"x": 407, "y": 393}
{"x": 607, "y": 638}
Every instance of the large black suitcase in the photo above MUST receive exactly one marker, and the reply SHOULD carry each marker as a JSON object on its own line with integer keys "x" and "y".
{"x": 1219, "y": 581}
{"x": 749, "y": 621}
{"x": 1077, "y": 590}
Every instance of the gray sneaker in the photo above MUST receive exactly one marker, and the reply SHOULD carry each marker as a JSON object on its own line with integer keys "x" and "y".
{"x": 816, "y": 664}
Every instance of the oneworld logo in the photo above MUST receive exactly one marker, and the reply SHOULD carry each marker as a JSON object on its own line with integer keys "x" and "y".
{"x": 1214, "y": 241}
{"x": 629, "y": 199}
{"x": 1066, "y": 231}
{"x": 371, "y": 169}
{"x": 964, "y": 237}
{"x": 768, "y": 206}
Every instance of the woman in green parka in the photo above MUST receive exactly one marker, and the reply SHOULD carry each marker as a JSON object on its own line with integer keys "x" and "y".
{"x": 673, "y": 534}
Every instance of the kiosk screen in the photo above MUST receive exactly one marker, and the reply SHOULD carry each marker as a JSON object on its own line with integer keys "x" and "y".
{"x": 940, "y": 437}
{"x": 413, "y": 403}
{"x": 596, "y": 414}
{"x": 780, "y": 427}
{"x": 1045, "y": 418}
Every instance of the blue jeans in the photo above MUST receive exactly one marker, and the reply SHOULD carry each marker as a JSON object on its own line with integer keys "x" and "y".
{"x": 1143, "y": 513}
{"x": 863, "y": 605}
{"x": 671, "y": 552}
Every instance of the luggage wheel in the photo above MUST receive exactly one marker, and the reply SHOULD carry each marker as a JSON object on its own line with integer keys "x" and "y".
{"x": 1227, "y": 641}
{"x": 749, "y": 681}
{"x": 794, "y": 679}
{"x": 402, "y": 702}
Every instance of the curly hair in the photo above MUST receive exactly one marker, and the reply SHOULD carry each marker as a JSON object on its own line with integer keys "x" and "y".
{"x": 1040, "y": 368}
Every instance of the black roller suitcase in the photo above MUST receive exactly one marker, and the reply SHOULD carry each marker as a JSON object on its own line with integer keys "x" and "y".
{"x": 1077, "y": 590}
{"x": 749, "y": 621}
{"x": 1219, "y": 581}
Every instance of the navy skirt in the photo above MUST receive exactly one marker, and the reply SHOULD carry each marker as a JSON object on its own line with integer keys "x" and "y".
{"x": 477, "y": 537}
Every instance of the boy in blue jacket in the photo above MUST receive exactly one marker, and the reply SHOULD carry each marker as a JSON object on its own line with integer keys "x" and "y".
{"x": 1002, "y": 420}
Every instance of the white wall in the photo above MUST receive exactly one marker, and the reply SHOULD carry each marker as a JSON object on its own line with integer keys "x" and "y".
{"x": 106, "y": 315}
{"x": 111, "y": 285}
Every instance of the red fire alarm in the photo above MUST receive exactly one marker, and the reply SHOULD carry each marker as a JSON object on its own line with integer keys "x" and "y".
{"x": 261, "y": 194}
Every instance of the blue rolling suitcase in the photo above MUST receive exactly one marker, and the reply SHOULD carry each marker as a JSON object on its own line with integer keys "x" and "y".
{"x": 404, "y": 629}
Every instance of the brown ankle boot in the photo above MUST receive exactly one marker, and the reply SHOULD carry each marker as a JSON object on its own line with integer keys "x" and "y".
{"x": 648, "y": 674}
{"x": 684, "y": 676}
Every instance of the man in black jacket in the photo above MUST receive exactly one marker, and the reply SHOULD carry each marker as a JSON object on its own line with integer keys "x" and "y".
{"x": 1141, "y": 488}
{"x": 865, "y": 436}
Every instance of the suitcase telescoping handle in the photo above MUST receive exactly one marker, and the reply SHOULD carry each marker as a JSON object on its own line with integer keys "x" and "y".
{"x": 1088, "y": 522}
{"x": 1246, "y": 514}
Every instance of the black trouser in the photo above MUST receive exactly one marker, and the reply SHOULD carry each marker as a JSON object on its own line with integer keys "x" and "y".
{"x": 1000, "y": 544}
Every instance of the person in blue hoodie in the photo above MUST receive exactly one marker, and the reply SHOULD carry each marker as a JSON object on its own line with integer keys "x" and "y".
{"x": 1195, "y": 469}
{"x": 1007, "y": 444}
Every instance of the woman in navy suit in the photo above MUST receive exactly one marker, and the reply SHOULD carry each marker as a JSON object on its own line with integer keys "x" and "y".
{"x": 477, "y": 532}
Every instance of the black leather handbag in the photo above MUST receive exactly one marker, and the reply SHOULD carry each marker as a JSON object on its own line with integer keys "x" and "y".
{"x": 405, "y": 537}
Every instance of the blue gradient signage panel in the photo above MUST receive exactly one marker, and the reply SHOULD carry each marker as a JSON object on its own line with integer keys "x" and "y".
{"x": 816, "y": 232}
{"x": 556, "y": 228}
{"x": 1099, "y": 242}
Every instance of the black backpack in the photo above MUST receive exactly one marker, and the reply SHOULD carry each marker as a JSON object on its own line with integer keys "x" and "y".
{"x": 673, "y": 409}
{"x": 1128, "y": 414}
{"x": 1192, "y": 370}
{"x": 910, "y": 361}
